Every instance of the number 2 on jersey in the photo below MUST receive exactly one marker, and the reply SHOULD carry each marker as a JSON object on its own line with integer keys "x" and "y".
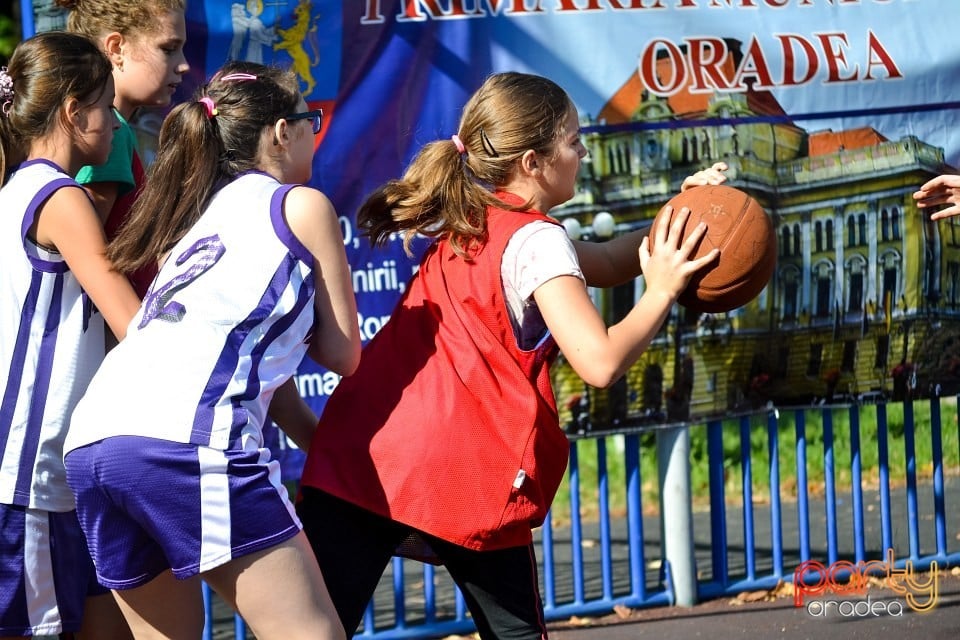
{"x": 200, "y": 256}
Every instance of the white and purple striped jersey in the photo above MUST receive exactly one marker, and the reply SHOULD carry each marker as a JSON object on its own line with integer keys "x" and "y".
{"x": 51, "y": 343}
{"x": 224, "y": 324}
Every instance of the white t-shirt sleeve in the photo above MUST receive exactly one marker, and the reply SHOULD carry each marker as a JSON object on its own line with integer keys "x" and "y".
{"x": 537, "y": 252}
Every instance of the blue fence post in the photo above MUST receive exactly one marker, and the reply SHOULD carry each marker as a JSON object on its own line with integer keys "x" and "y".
{"x": 399, "y": 600}
{"x": 27, "y": 22}
{"x": 429, "y": 594}
{"x": 883, "y": 466}
{"x": 776, "y": 528}
{"x": 638, "y": 578}
{"x": 803, "y": 505}
{"x": 603, "y": 488}
{"x": 718, "y": 509}
{"x": 910, "y": 451}
{"x": 830, "y": 491}
{"x": 239, "y": 628}
{"x": 856, "y": 484}
{"x": 549, "y": 579}
{"x": 746, "y": 472}
{"x": 936, "y": 445}
{"x": 576, "y": 528}
{"x": 207, "y": 611}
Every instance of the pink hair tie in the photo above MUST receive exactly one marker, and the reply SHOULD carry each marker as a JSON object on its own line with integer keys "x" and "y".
{"x": 458, "y": 143}
{"x": 209, "y": 104}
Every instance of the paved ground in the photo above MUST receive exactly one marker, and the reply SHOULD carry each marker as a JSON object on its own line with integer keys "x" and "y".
{"x": 776, "y": 617}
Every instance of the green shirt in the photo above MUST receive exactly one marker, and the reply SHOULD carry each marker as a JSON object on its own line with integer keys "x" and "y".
{"x": 119, "y": 165}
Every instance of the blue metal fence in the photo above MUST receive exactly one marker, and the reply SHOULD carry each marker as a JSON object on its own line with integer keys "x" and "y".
{"x": 602, "y": 547}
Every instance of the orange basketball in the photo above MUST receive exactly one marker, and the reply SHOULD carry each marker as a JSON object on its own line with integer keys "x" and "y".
{"x": 744, "y": 233}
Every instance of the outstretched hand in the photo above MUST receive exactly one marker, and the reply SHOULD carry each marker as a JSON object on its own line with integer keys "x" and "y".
{"x": 667, "y": 268}
{"x": 942, "y": 190}
{"x": 712, "y": 175}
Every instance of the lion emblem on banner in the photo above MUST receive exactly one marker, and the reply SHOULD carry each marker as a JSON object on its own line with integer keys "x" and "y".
{"x": 292, "y": 41}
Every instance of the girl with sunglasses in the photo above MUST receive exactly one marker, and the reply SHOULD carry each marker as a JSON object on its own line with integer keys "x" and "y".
{"x": 173, "y": 481}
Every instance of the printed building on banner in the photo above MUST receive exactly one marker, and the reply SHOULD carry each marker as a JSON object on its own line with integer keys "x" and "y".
{"x": 865, "y": 300}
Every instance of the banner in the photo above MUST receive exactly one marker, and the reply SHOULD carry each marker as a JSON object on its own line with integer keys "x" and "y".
{"x": 830, "y": 112}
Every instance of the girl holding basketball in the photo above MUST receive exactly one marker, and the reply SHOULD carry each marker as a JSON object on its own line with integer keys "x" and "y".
{"x": 253, "y": 277}
{"x": 144, "y": 41}
{"x": 57, "y": 289}
{"x": 448, "y": 431}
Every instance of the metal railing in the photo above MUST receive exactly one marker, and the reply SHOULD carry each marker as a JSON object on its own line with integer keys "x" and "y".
{"x": 772, "y": 489}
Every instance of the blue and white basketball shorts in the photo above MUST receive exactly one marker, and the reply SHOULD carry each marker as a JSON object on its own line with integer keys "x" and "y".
{"x": 148, "y": 505}
{"x": 45, "y": 572}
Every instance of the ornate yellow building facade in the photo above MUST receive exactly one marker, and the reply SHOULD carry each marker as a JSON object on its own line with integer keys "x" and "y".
{"x": 865, "y": 299}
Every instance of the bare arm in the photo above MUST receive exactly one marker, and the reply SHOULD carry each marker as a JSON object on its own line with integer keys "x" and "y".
{"x": 336, "y": 337}
{"x": 104, "y": 196}
{"x": 600, "y": 355}
{"x": 70, "y": 224}
{"x": 608, "y": 264}
{"x": 292, "y": 414}
{"x": 942, "y": 190}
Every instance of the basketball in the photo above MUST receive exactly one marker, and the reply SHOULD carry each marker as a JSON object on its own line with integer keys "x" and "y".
{"x": 744, "y": 233}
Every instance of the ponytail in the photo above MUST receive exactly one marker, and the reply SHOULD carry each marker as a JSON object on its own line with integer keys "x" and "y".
{"x": 180, "y": 184}
{"x": 448, "y": 187}
{"x": 7, "y": 147}
{"x": 437, "y": 196}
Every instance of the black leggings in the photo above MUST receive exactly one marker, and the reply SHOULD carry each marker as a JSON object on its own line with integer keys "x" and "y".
{"x": 354, "y": 546}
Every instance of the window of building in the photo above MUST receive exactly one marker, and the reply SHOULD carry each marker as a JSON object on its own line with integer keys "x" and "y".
{"x": 953, "y": 281}
{"x": 790, "y": 279}
{"x": 814, "y": 362}
{"x": 890, "y": 274}
{"x": 883, "y": 348}
{"x": 856, "y": 292}
{"x": 823, "y": 279}
{"x": 622, "y": 166}
{"x": 855, "y": 273}
{"x": 624, "y": 298}
{"x": 849, "y": 362}
{"x": 783, "y": 357}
